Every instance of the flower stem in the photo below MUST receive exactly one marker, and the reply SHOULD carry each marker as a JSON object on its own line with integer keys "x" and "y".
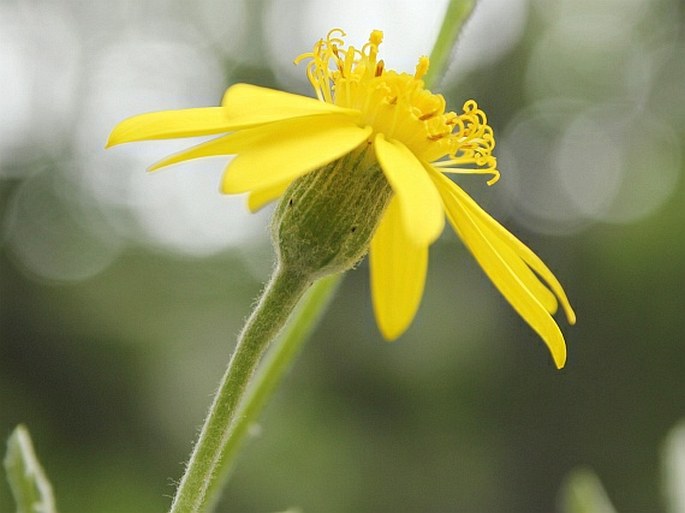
{"x": 276, "y": 363}
{"x": 456, "y": 15}
{"x": 204, "y": 470}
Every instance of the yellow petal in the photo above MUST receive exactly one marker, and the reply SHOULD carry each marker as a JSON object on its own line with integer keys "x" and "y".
{"x": 523, "y": 251}
{"x": 398, "y": 273}
{"x": 246, "y": 139}
{"x": 508, "y": 253}
{"x": 172, "y": 123}
{"x": 283, "y": 151}
{"x": 225, "y": 145}
{"x": 502, "y": 275}
{"x": 220, "y": 146}
{"x": 244, "y": 106}
{"x": 259, "y": 198}
{"x": 257, "y": 105}
{"x": 519, "y": 267}
{"x": 419, "y": 201}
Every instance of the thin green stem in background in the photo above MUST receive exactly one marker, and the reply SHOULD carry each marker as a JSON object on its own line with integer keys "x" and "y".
{"x": 456, "y": 15}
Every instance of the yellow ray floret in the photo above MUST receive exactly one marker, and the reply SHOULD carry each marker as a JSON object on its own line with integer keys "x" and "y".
{"x": 398, "y": 273}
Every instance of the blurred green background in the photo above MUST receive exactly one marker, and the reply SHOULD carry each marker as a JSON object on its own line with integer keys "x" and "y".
{"x": 121, "y": 293}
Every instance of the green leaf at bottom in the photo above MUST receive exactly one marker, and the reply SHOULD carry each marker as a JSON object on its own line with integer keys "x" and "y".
{"x": 31, "y": 489}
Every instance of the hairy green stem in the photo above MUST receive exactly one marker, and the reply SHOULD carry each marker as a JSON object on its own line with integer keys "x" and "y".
{"x": 276, "y": 363}
{"x": 208, "y": 458}
{"x": 456, "y": 15}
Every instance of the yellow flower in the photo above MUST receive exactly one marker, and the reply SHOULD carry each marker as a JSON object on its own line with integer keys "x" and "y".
{"x": 278, "y": 137}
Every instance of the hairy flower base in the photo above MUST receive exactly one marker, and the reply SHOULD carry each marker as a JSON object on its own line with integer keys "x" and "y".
{"x": 370, "y": 129}
{"x": 326, "y": 219}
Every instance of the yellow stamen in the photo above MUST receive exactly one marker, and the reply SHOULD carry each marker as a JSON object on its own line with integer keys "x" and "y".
{"x": 376, "y": 37}
{"x": 398, "y": 106}
{"x": 422, "y": 68}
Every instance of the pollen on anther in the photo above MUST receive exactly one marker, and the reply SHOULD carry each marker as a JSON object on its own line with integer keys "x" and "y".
{"x": 428, "y": 115}
{"x": 437, "y": 137}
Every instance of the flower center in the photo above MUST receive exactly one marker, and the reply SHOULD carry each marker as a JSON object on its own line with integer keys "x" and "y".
{"x": 398, "y": 105}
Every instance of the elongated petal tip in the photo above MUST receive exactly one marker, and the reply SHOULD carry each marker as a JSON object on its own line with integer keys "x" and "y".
{"x": 570, "y": 314}
{"x": 123, "y": 132}
{"x": 559, "y": 357}
{"x": 171, "y": 124}
{"x": 155, "y": 167}
{"x": 392, "y": 325}
{"x": 551, "y": 335}
{"x": 390, "y": 334}
{"x": 115, "y": 137}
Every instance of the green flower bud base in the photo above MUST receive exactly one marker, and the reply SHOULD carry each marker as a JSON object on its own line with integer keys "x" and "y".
{"x": 325, "y": 221}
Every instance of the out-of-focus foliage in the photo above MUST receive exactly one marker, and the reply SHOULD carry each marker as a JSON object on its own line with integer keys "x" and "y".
{"x": 30, "y": 486}
{"x": 673, "y": 456}
{"x": 583, "y": 492}
{"x": 121, "y": 292}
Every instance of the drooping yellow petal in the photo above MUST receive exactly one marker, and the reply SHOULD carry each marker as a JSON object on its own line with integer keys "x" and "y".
{"x": 507, "y": 252}
{"x": 499, "y": 271}
{"x": 419, "y": 201}
{"x": 529, "y": 279}
{"x": 258, "y": 105}
{"x": 259, "y": 198}
{"x": 398, "y": 273}
{"x": 169, "y": 124}
{"x": 523, "y": 251}
{"x": 286, "y": 150}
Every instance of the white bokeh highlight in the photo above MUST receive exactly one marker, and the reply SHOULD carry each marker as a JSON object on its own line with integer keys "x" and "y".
{"x": 409, "y": 30}
{"x": 180, "y": 208}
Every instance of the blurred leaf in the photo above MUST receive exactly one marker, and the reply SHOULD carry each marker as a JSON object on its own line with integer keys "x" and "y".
{"x": 674, "y": 469}
{"x": 583, "y": 493}
{"x": 31, "y": 489}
